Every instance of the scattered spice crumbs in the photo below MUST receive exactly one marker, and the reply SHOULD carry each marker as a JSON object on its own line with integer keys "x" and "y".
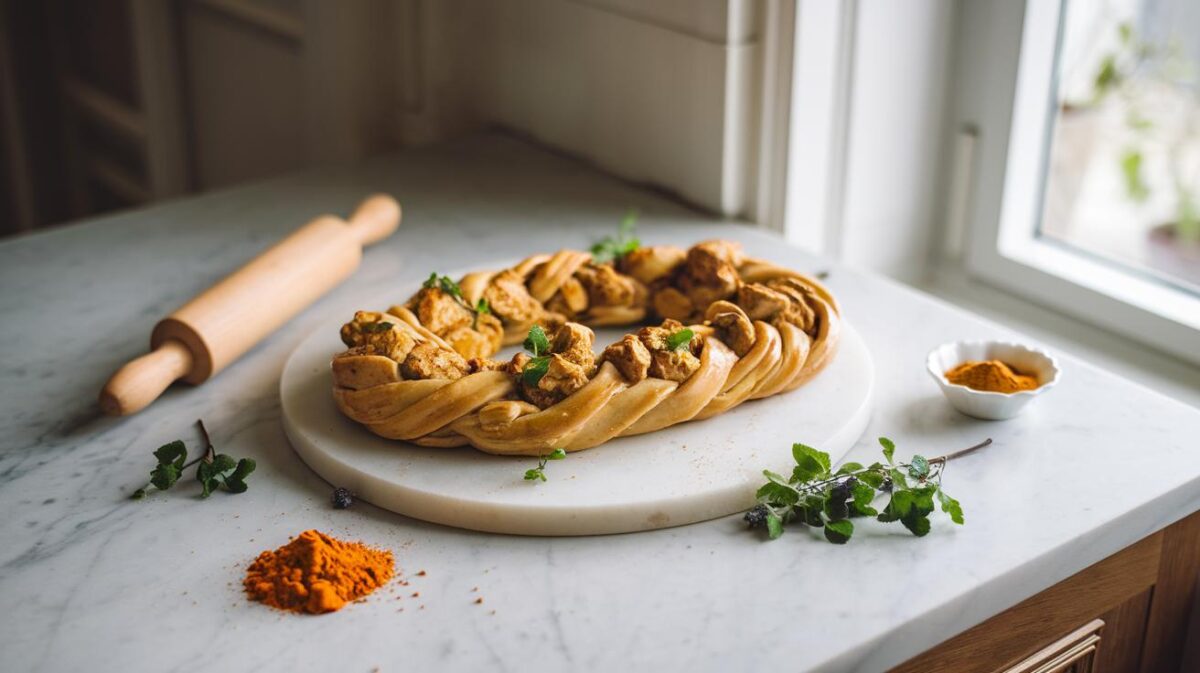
{"x": 421, "y": 573}
{"x": 479, "y": 600}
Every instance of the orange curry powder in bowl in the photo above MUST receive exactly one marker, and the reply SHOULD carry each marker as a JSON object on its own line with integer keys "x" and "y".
{"x": 991, "y": 376}
{"x": 316, "y": 573}
{"x": 992, "y": 380}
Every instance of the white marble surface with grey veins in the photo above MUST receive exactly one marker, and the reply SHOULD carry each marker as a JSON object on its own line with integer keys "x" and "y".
{"x": 90, "y": 580}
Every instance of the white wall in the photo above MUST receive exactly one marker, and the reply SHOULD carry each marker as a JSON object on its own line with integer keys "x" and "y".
{"x": 665, "y": 92}
{"x": 669, "y": 92}
{"x": 276, "y": 85}
{"x": 897, "y": 134}
{"x": 661, "y": 92}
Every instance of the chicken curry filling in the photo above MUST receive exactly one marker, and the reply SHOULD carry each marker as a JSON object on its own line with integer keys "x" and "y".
{"x": 685, "y": 295}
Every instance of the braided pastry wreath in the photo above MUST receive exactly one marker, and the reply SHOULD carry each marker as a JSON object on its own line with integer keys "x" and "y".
{"x": 422, "y": 372}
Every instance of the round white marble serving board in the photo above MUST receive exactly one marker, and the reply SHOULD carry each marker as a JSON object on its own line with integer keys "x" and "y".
{"x": 683, "y": 474}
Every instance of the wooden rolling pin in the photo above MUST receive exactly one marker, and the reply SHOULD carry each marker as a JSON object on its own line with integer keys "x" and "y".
{"x": 215, "y": 328}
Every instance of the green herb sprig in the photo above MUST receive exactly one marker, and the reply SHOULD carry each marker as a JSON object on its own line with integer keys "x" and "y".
{"x": 539, "y": 344}
{"x": 213, "y": 469}
{"x": 539, "y": 473}
{"x": 817, "y": 497}
{"x": 536, "y": 341}
{"x": 614, "y": 247}
{"x": 481, "y": 308}
{"x": 680, "y": 339}
{"x": 446, "y": 284}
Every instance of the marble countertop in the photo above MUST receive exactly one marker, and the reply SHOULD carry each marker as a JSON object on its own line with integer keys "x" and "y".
{"x": 89, "y": 579}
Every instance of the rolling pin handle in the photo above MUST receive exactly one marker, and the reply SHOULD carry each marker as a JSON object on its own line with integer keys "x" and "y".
{"x": 375, "y": 219}
{"x": 140, "y": 382}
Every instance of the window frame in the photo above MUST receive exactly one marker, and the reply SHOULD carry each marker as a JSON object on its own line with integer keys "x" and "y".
{"x": 1004, "y": 249}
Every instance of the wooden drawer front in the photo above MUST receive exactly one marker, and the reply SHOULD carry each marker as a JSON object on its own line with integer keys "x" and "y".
{"x": 1073, "y": 653}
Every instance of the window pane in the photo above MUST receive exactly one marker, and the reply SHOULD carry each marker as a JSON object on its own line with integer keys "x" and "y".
{"x": 1123, "y": 172}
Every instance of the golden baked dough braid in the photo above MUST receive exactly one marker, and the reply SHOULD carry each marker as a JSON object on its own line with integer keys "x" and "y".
{"x": 758, "y": 330}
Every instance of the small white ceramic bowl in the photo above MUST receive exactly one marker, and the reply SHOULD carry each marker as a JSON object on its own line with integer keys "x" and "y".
{"x": 987, "y": 405}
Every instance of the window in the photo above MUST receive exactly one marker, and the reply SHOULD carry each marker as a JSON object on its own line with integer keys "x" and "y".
{"x": 1123, "y": 174}
{"x": 1097, "y": 199}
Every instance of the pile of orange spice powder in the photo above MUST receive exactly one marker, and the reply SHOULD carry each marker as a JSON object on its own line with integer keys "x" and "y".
{"x": 315, "y": 573}
{"x": 990, "y": 376}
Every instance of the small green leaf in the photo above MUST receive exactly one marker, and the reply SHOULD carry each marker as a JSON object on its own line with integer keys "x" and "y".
{"x": 862, "y": 510}
{"x": 537, "y": 342}
{"x": 534, "y": 370}
{"x": 207, "y": 476}
{"x": 839, "y": 532}
{"x": 449, "y": 286}
{"x": 482, "y": 306}
{"x": 223, "y": 462}
{"x": 775, "y": 477}
{"x": 172, "y": 452}
{"x": 918, "y": 468}
{"x": 898, "y": 480}
{"x": 539, "y": 472}
{"x": 774, "y": 525}
{"x": 810, "y": 463}
{"x": 871, "y": 477}
{"x": 951, "y": 506}
{"x": 863, "y": 494}
{"x": 444, "y": 283}
{"x": 888, "y": 514}
{"x": 889, "y": 449}
{"x": 923, "y": 499}
{"x": 236, "y": 482}
{"x": 610, "y": 248}
{"x": 244, "y": 467}
{"x": 235, "y": 486}
{"x": 918, "y": 525}
{"x": 848, "y": 468}
{"x": 164, "y": 476}
{"x": 212, "y": 474}
{"x": 777, "y": 494}
{"x": 138, "y": 494}
{"x": 680, "y": 339}
{"x": 902, "y": 503}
